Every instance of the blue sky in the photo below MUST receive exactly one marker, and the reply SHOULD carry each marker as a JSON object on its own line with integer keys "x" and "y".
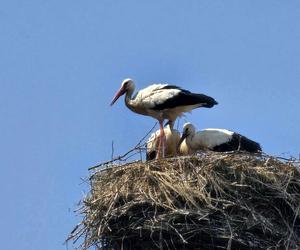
{"x": 62, "y": 61}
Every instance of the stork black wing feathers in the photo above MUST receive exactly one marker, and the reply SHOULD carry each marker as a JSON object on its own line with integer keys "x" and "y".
{"x": 185, "y": 98}
{"x": 239, "y": 142}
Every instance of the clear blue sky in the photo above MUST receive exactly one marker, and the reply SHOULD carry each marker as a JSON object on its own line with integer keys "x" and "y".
{"x": 62, "y": 61}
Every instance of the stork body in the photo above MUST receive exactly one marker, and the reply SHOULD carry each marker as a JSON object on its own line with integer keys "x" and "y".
{"x": 172, "y": 137}
{"x": 220, "y": 140}
{"x": 162, "y": 101}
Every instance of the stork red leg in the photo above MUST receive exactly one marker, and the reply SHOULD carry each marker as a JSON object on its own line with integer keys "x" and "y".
{"x": 161, "y": 145}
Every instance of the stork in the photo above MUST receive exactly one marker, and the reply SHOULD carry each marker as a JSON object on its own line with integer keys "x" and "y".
{"x": 215, "y": 139}
{"x": 162, "y": 101}
{"x": 171, "y": 143}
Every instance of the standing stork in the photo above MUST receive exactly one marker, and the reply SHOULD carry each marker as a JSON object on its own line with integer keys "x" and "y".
{"x": 215, "y": 139}
{"x": 162, "y": 101}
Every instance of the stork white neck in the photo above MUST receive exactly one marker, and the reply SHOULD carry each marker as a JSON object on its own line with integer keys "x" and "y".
{"x": 189, "y": 131}
{"x": 190, "y": 140}
{"x": 129, "y": 91}
{"x": 129, "y": 100}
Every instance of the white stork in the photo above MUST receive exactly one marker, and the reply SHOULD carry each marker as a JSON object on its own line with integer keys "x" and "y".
{"x": 215, "y": 139}
{"x": 162, "y": 101}
{"x": 171, "y": 143}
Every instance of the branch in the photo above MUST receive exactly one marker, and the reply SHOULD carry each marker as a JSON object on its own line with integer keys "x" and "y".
{"x": 121, "y": 157}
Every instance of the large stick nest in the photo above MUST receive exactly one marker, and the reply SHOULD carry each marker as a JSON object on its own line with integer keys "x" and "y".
{"x": 209, "y": 201}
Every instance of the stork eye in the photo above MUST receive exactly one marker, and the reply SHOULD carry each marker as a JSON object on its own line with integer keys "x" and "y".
{"x": 125, "y": 84}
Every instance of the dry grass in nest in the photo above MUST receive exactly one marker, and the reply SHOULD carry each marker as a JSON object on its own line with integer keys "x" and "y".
{"x": 209, "y": 201}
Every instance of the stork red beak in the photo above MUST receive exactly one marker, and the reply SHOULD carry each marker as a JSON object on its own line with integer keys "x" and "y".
{"x": 120, "y": 92}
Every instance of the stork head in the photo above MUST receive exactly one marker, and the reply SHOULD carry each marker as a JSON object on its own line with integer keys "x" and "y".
{"x": 188, "y": 129}
{"x": 126, "y": 86}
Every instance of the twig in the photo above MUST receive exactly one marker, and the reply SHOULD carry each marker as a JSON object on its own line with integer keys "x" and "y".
{"x": 112, "y": 149}
{"x": 121, "y": 157}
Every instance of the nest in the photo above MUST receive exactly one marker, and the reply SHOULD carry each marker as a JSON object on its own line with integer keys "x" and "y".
{"x": 208, "y": 201}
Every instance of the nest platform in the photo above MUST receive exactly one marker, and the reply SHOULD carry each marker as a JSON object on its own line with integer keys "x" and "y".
{"x": 207, "y": 201}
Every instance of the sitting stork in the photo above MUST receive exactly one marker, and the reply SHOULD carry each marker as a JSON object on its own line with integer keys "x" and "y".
{"x": 162, "y": 101}
{"x": 172, "y": 137}
{"x": 215, "y": 139}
